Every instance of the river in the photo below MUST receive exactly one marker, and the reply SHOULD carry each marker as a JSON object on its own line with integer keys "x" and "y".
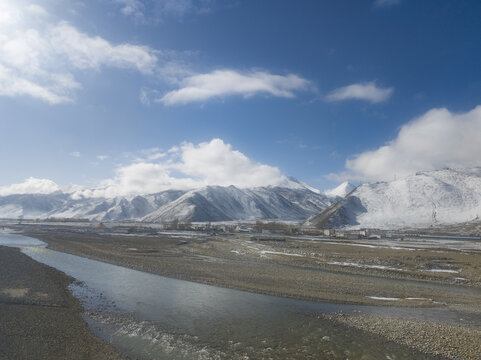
{"x": 148, "y": 316}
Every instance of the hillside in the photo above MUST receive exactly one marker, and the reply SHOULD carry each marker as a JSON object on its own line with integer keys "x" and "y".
{"x": 212, "y": 203}
{"x": 426, "y": 199}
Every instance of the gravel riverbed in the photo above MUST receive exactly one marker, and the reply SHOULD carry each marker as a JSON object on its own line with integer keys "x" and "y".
{"x": 39, "y": 318}
{"x": 312, "y": 270}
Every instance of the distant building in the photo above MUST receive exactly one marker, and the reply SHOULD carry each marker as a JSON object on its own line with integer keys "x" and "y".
{"x": 99, "y": 226}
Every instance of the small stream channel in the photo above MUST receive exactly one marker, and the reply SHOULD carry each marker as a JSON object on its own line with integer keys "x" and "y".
{"x": 148, "y": 316}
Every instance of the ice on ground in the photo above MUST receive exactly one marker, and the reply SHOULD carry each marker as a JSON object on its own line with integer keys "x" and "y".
{"x": 445, "y": 271}
{"x": 370, "y": 246}
{"x": 381, "y": 267}
{"x": 383, "y": 298}
{"x": 264, "y": 252}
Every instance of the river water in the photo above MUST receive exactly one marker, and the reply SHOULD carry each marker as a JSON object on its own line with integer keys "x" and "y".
{"x": 148, "y": 316}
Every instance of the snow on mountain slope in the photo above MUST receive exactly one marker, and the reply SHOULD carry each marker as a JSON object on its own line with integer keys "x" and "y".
{"x": 62, "y": 205}
{"x": 217, "y": 203}
{"x": 213, "y": 203}
{"x": 341, "y": 191}
{"x": 428, "y": 198}
{"x": 31, "y": 205}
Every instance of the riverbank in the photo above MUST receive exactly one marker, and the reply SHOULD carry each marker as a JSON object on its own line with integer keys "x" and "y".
{"x": 328, "y": 271}
{"x": 453, "y": 342}
{"x": 40, "y": 319}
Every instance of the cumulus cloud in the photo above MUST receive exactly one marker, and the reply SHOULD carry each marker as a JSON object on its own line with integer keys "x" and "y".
{"x": 30, "y": 186}
{"x": 215, "y": 162}
{"x": 435, "y": 140}
{"x": 362, "y": 91}
{"x": 221, "y": 83}
{"x": 187, "y": 166}
{"x": 38, "y": 58}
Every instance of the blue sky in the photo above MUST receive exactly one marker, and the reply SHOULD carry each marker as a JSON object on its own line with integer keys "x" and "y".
{"x": 322, "y": 91}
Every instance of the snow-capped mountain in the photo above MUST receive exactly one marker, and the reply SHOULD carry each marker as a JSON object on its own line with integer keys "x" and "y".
{"x": 340, "y": 191}
{"x": 60, "y": 205}
{"x": 428, "y": 198}
{"x": 212, "y": 203}
{"x": 217, "y": 203}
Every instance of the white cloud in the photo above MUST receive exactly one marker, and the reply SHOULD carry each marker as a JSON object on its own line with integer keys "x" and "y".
{"x": 86, "y": 52}
{"x": 187, "y": 166}
{"x": 216, "y": 163}
{"x": 38, "y": 58}
{"x": 155, "y": 11}
{"x": 37, "y": 10}
{"x": 437, "y": 139}
{"x": 144, "y": 97}
{"x": 147, "y": 94}
{"x": 54, "y": 93}
{"x": 101, "y": 157}
{"x": 381, "y": 3}
{"x": 75, "y": 154}
{"x": 30, "y": 186}
{"x": 133, "y": 8}
{"x": 361, "y": 91}
{"x": 221, "y": 83}
{"x": 9, "y": 14}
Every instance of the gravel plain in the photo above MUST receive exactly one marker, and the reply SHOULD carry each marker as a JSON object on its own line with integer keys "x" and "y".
{"x": 39, "y": 318}
{"x": 331, "y": 270}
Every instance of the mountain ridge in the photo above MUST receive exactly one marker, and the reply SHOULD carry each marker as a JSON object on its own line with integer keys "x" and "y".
{"x": 428, "y": 198}
{"x": 211, "y": 203}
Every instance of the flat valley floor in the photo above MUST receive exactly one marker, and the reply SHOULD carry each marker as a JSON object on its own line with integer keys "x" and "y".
{"x": 409, "y": 273}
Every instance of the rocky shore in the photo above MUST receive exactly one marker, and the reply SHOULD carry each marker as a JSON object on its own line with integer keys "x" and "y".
{"x": 39, "y": 318}
{"x": 451, "y": 341}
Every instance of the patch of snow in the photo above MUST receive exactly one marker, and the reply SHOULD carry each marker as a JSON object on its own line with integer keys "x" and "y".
{"x": 264, "y": 252}
{"x": 370, "y": 246}
{"x": 381, "y": 267}
{"x": 444, "y": 271}
{"x": 340, "y": 191}
{"x": 383, "y": 298}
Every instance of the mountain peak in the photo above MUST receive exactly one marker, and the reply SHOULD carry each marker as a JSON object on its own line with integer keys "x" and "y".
{"x": 429, "y": 198}
{"x": 293, "y": 183}
{"x": 341, "y": 190}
